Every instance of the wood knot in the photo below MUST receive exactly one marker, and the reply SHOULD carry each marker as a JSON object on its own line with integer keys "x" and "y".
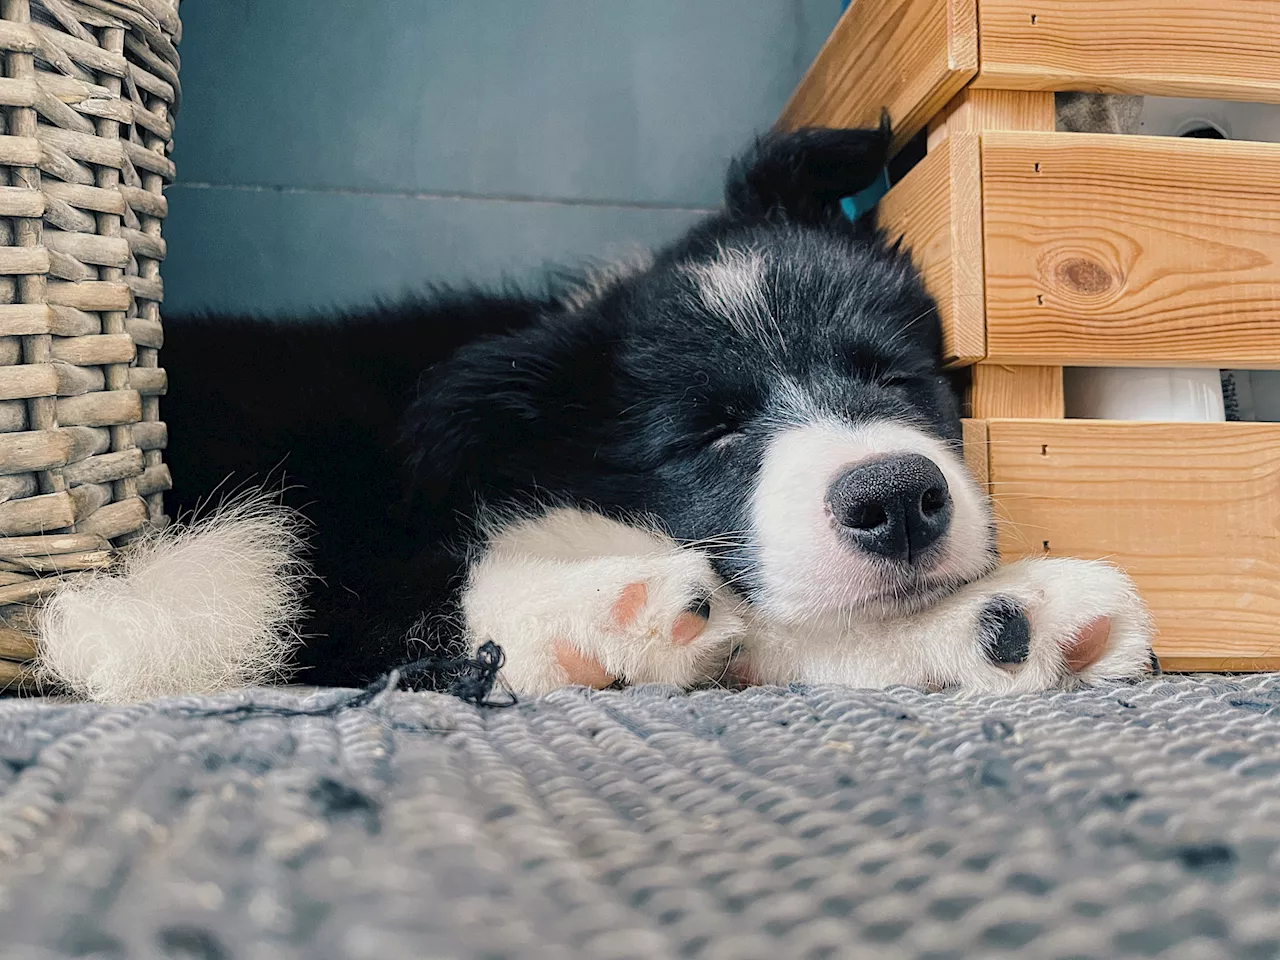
{"x": 1085, "y": 276}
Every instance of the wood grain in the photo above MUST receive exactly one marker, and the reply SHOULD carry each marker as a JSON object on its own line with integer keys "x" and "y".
{"x": 1190, "y": 510}
{"x": 975, "y": 450}
{"x": 15, "y": 676}
{"x": 15, "y": 645}
{"x": 1229, "y": 49}
{"x": 909, "y": 56}
{"x": 937, "y": 211}
{"x": 1107, "y": 250}
{"x": 998, "y": 390}
{"x": 976, "y": 110}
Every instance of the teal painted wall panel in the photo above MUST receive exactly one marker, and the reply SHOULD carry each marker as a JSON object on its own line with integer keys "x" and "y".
{"x": 433, "y": 126}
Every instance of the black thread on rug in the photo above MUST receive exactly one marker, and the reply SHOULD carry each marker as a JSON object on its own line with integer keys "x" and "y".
{"x": 470, "y": 680}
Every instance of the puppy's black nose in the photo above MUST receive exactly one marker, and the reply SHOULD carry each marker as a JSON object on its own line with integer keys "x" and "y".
{"x": 895, "y": 507}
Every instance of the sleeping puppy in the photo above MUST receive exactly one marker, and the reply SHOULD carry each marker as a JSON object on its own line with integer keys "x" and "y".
{"x": 735, "y": 459}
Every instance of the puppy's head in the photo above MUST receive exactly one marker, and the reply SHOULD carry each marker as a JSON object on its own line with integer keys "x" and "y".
{"x": 768, "y": 388}
{"x": 779, "y": 381}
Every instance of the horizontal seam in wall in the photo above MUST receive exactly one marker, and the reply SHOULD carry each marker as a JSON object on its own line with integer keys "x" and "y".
{"x": 419, "y": 195}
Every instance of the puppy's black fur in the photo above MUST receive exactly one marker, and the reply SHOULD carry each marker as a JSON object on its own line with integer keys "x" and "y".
{"x": 393, "y": 427}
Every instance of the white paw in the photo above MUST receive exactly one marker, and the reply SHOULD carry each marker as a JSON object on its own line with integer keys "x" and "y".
{"x": 658, "y": 617}
{"x": 1029, "y": 626}
{"x": 1059, "y": 622}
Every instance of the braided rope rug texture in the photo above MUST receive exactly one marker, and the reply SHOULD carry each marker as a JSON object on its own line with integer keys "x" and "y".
{"x": 813, "y": 822}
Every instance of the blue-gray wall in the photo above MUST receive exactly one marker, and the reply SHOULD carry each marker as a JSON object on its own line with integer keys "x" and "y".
{"x": 330, "y": 151}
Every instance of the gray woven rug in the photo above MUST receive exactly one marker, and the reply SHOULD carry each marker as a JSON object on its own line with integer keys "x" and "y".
{"x": 1120, "y": 822}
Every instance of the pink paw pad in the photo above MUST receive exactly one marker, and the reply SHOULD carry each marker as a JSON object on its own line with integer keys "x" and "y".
{"x": 581, "y": 669}
{"x": 1087, "y": 647}
{"x": 687, "y": 626}
{"x": 691, "y": 622}
{"x": 629, "y": 604}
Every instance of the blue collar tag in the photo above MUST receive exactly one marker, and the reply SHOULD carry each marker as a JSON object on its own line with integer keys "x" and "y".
{"x": 865, "y": 200}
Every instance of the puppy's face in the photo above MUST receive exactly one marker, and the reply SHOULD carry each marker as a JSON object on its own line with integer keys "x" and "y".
{"x": 778, "y": 388}
{"x": 768, "y": 388}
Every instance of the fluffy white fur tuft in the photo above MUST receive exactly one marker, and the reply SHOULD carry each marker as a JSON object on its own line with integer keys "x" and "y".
{"x": 198, "y": 608}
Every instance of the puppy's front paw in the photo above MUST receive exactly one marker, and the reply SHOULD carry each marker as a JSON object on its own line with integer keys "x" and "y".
{"x": 663, "y": 618}
{"x": 1054, "y": 622}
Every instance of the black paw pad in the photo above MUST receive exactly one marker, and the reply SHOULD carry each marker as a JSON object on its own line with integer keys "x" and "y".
{"x": 1004, "y": 632}
{"x": 700, "y": 607}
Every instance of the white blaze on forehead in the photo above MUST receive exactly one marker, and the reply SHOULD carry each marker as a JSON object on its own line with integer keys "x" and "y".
{"x": 734, "y": 286}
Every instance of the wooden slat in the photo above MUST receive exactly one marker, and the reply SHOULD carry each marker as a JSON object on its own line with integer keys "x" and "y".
{"x": 1131, "y": 250}
{"x": 1228, "y": 49}
{"x": 974, "y": 111}
{"x": 937, "y": 210}
{"x": 910, "y": 56}
{"x": 1002, "y": 391}
{"x": 1190, "y": 510}
{"x": 998, "y": 390}
{"x": 975, "y": 450}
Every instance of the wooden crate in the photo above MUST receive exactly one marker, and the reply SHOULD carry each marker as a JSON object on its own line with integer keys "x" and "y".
{"x": 1090, "y": 250}
{"x": 1049, "y": 249}
{"x": 913, "y": 56}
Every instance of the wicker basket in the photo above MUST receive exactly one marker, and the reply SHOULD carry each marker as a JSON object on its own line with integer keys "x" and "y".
{"x": 86, "y": 103}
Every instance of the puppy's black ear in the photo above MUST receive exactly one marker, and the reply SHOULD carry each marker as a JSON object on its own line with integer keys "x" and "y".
{"x": 803, "y": 175}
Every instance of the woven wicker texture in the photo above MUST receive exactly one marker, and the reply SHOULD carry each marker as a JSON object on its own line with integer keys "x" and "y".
{"x": 86, "y": 103}
{"x": 1108, "y": 823}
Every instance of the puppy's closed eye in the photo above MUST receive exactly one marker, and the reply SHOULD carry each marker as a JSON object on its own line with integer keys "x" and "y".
{"x": 898, "y": 379}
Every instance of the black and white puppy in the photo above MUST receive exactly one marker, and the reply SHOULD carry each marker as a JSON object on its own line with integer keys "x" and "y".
{"x": 742, "y": 445}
